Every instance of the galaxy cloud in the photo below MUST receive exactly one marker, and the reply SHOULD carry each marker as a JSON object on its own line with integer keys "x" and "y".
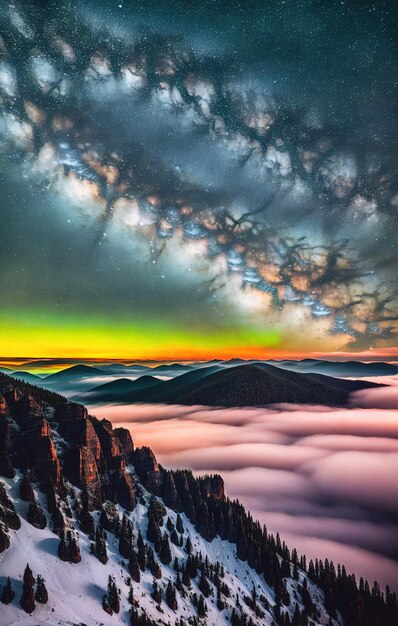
{"x": 217, "y": 183}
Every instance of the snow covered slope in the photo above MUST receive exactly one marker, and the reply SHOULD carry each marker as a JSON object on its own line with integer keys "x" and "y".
{"x": 76, "y": 590}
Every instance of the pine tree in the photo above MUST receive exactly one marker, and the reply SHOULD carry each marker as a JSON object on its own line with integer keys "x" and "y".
{"x": 186, "y": 579}
{"x": 156, "y": 593}
{"x": 174, "y": 538}
{"x": 132, "y": 600}
{"x": 171, "y": 596}
{"x": 165, "y": 551}
{"x": 188, "y": 546}
{"x": 179, "y": 524}
{"x": 153, "y": 532}
{"x": 141, "y": 556}
{"x": 220, "y": 602}
{"x": 28, "y": 599}
{"x": 7, "y": 594}
{"x": 296, "y": 621}
{"x": 106, "y": 606}
{"x": 254, "y": 594}
{"x": 204, "y": 585}
{"x": 41, "y": 591}
{"x": 202, "y": 608}
{"x": 307, "y": 600}
{"x": 192, "y": 566}
{"x": 35, "y": 515}
{"x": 126, "y": 537}
{"x": 99, "y": 547}
{"x": 153, "y": 565}
{"x": 134, "y": 567}
{"x": 113, "y": 595}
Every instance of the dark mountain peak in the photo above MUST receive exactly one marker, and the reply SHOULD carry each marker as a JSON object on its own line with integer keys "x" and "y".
{"x": 76, "y": 371}
{"x": 119, "y": 383}
{"x": 116, "y": 389}
{"x": 249, "y": 384}
{"x": 27, "y": 376}
{"x": 235, "y": 361}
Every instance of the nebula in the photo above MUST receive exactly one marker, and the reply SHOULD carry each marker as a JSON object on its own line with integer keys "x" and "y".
{"x": 184, "y": 182}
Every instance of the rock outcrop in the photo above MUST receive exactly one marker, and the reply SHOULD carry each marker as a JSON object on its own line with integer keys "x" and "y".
{"x": 110, "y": 444}
{"x": 148, "y": 469}
{"x": 124, "y": 488}
{"x": 124, "y": 436}
{"x": 81, "y": 469}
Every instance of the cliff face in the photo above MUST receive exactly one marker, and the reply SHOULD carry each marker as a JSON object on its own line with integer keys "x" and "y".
{"x": 56, "y": 441}
{"x": 126, "y": 442}
{"x": 76, "y": 447}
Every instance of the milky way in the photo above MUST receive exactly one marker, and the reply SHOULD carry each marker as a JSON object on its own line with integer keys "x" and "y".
{"x": 231, "y": 146}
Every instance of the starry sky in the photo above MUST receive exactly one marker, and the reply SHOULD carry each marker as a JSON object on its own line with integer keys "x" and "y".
{"x": 196, "y": 180}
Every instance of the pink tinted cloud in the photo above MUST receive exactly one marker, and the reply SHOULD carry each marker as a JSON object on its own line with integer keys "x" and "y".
{"x": 363, "y": 478}
{"x": 325, "y": 478}
{"x": 242, "y": 455}
{"x": 385, "y": 398}
{"x": 349, "y": 442}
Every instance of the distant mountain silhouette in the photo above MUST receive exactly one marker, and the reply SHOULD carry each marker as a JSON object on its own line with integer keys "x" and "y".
{"x": 108, "y": 392}
{"x": 118, "y": 368}
{"x": 235, "y": 362}
{"x": 351, "y": 369}
{"x": 27, "y": 377}
{"x": 175, "y": 367}
{"x": 248, "y": 385}
{"x": 76, "y": 371}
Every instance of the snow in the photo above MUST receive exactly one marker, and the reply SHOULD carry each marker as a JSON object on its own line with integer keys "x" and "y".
{"x": 75, "y": 590}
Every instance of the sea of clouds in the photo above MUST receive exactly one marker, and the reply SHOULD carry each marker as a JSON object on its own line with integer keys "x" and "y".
{"x": 325, "y": 478}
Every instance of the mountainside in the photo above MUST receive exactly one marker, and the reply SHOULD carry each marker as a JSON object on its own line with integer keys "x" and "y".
{"x": 111, "y": 537}
{"x": 255, "y": 384}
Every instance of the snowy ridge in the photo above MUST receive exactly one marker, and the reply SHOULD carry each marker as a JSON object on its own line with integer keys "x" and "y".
{"x": 76, "y": 590}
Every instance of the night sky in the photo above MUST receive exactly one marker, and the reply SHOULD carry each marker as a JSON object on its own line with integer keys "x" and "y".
{"x": 197, "y": 179}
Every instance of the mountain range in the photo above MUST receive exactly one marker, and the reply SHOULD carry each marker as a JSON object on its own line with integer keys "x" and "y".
{"x": 256, "y": 384}
{"x": 94, "y": 531}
